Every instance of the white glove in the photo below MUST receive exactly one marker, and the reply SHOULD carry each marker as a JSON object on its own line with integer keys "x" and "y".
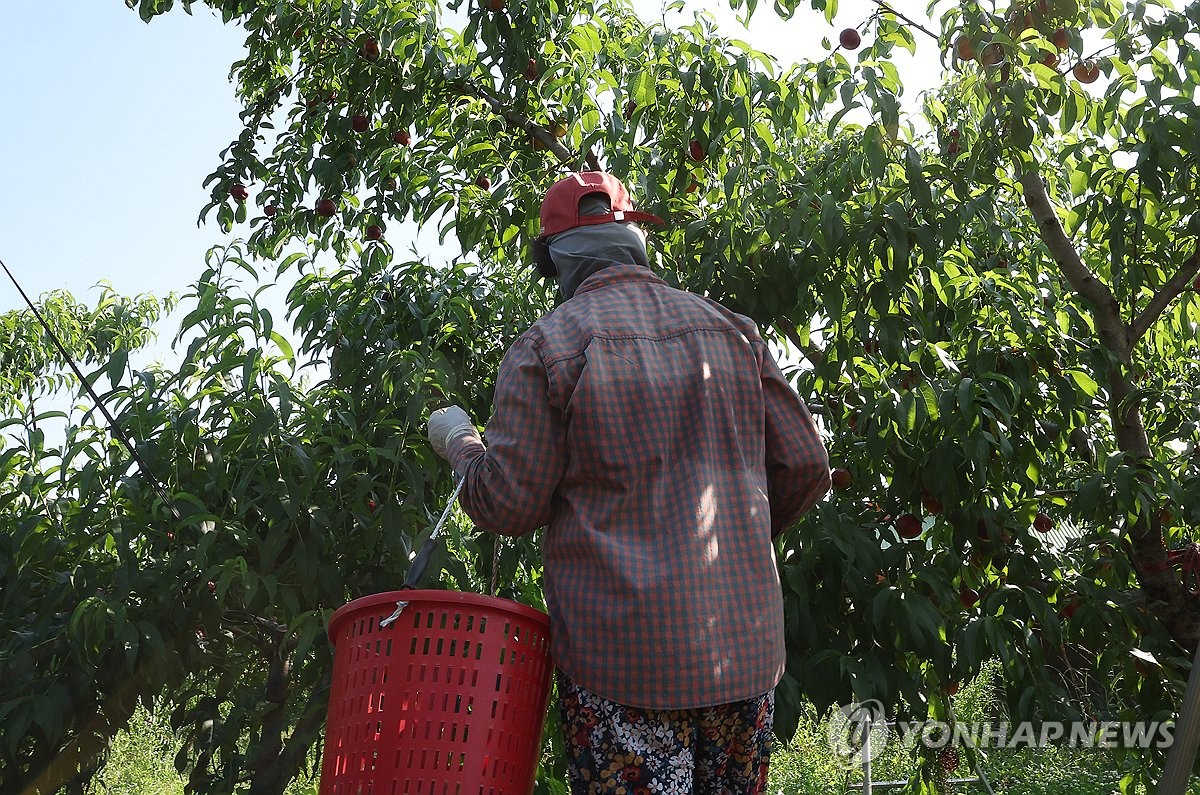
{"x": 446, "y": 424}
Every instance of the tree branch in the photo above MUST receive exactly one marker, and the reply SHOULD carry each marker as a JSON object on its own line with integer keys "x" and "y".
{"x": 1113, "y": 331}
{"x": 546, "y": 137}
{"x": 1163, "y": 298}
{"x": 1148, "y": 547}
{"x": 307, "y": 729}
{"x": 86, "y": 744}
{"x": 887, "y": 9}
{"x": 265, "y": 753}
{"x": 810, "y": 351}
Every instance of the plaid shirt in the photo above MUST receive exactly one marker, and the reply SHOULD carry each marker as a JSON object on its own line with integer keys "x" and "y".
{"x": 653, "y": 433}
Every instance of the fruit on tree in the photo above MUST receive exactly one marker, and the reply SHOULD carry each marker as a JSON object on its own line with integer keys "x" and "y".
{"x": 326, "y": 208}
{"x": 401, "y": 137}
{"x": 932, "y": 505}
{"x": 560, "y": 129}
{"x": 1070, "y": 607}
{"x": 1086, "y": 71}
{"x": 992, "y": 55}
{"x": 360, "y": 122}
{"x": 850, "y": 39}
{"x": 374, "y": 232}
{"x": 908, "y": 526}
{"x": 969, "y": 597}
{"x": 1060, "y": 38}
{"x": 1043, "y": 523}
{"x": 370, "y": 49}
{"x": 842, "y": 479}
{"x": 496, "y": 5}
{"x": 483, "y": 182}
{"x": 389, "y": 183}
{"x": 269, "y": 211}
{"x": 531, "y": 70}
{"x": 630, "y": 107}
{"x": 1050, "y": 59}
{"x": 964, "y": 48}
{"x": 696, "y": 150}
{"x": 239, "y": 193}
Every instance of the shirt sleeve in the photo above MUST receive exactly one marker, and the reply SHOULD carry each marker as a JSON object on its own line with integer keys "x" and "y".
{"x": 508, "y": 485}
{"x": 797, "y": 461}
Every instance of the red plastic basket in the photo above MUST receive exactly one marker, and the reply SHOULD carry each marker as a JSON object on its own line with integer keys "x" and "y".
{"x": 447, "y": 700}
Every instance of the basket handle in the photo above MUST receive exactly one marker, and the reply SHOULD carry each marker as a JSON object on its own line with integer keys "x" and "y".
{"x": 421, "y": 561}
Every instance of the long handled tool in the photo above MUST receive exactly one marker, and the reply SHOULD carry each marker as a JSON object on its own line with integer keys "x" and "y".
{"x": 421, "y": 561}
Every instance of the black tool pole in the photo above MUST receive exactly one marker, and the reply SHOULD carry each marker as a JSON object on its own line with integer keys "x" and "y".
{"x": 112, "y": 423}
{"x": 1182, "y": 756}
{"x": 421, "y": 561}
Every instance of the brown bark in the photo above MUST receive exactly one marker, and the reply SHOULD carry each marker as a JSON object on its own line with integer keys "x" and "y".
{"x": 290, "y": 757}
{"x": 92, "y": 740}
{"x": 1174, "y": 287}
{"x": 274, "y": 723}
{"x": 1178, "y": 609}
{"x": 810, "y": 351}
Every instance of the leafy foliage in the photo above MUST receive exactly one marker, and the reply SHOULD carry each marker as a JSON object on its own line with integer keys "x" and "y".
{"x": 991, "y": 298}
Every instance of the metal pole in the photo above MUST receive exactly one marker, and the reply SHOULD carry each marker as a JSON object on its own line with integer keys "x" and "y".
{"x": 866, "y": 752}
{"x": 975, "y": 766}
{"x": 1182, "y": 756}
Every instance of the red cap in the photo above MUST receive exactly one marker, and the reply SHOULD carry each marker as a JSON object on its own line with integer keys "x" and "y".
{"x": 560, "y": 208}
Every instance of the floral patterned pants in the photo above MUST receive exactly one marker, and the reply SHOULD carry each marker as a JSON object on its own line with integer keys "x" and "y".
{"x": 618, "y": 750}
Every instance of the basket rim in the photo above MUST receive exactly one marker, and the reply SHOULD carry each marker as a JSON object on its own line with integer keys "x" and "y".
{"x": 388, "y": 599}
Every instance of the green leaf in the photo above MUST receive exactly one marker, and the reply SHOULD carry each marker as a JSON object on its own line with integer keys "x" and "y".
{"x": 1085, "y": 382}
{"x": 116, "y": 365}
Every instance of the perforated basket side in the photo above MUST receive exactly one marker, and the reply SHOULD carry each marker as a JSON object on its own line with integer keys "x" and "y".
{"x": 450, "y": 698}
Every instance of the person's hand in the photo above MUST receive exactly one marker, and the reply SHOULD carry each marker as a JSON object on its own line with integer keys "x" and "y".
{"x": 446, "y": 424}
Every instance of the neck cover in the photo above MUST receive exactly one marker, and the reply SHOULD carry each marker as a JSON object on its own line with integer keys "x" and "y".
{"x": 580, "y": 252}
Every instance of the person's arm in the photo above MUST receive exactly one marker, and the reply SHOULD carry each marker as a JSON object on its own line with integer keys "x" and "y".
{"x": 509, "y": 481}
{"x": 797, "y": 462}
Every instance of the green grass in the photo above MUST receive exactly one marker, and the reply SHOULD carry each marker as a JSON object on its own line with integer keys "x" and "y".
{"x": 142, "y": 763}
{"x": 808, "y": 767}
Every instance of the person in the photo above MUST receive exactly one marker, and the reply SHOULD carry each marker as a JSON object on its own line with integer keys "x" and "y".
{"x": 652, "y": 434}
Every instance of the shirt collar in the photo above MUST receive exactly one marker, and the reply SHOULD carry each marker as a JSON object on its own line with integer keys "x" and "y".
{"x": 618, "y": 273}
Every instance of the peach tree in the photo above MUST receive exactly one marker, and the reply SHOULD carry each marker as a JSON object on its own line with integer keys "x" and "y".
{"x": 988, "y": 293}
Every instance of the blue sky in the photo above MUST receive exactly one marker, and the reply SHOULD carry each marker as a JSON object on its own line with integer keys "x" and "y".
{"x": 110, "y": 127}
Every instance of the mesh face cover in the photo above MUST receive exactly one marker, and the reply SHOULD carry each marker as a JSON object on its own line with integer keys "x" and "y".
{"x": 580, "y": 252}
